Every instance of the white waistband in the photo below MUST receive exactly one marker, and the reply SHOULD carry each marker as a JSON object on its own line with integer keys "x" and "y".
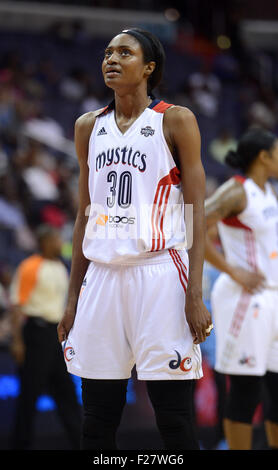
{"x": 162, "y": 256}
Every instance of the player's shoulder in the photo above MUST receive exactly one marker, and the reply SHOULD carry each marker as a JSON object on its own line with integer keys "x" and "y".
{"x": 86, "y": 121}
{"x": 179, "y": 112}
{"x": 177, "y": 116}
{"x": 235, "y": 181}
{"x": 232, "y": 190}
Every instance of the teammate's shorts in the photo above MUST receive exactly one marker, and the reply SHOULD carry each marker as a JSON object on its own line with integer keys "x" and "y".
{"x": 134, "y": 314}
{"x": 246, "y": 328}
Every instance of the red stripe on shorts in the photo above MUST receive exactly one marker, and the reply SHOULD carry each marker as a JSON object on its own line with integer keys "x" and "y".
{"x": 180, "y": 267}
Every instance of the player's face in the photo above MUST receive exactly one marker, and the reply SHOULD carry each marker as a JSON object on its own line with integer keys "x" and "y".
{"x": 53, "y": 245}
{"x": 123, "y": 63}
{"x": 273, "y": 161}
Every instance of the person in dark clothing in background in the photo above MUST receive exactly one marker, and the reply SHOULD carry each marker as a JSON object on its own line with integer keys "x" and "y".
{"x": 38, "y": 293}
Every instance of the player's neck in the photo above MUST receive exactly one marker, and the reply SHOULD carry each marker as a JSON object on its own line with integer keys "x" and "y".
{"x": 129, "y": 105}
{"x": 258, "y": 176}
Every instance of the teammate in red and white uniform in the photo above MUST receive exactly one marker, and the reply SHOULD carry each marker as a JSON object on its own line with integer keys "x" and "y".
{"x": 135, "y": 294}
{"x": 245, "y": 296}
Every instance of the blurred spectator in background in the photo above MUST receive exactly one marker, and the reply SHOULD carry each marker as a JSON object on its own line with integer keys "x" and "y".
{"x": 5, "y": 320}
{"x": 219, "y": 146}
{"x": 91, "y": 101}
{"x": 34, "y": 166}
{"x": 205, "y": 89}
{"x": 263, "y": 114}
{"x": 38, "y": 295}
{"x": 16, "y": 239}
{"x": 74, "y": 85}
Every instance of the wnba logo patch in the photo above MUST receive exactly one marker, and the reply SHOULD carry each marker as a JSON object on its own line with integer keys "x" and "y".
{"x": 146, "y": 131}
{"x": 184, "y": 364}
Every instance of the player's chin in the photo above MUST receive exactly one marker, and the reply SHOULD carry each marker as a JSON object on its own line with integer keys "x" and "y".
{"x": 112, "y": 78}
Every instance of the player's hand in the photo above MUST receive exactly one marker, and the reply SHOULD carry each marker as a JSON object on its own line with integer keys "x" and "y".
{"x": 65, "y": 325}
{"x": 17, "y": 349}
{"x": 252, "y": 282}
{"x": 198, "y": 318}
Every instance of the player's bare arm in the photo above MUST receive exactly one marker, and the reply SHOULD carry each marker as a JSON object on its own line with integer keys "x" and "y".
{"x": 182, "y": 133}
{"x": 83, "y": 128}
{"x": 227, "y": 201}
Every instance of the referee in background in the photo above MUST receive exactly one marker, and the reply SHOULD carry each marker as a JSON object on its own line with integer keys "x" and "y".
{"x": 38, "y": 295}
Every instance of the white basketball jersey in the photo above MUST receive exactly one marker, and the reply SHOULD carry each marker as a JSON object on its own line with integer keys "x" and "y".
{"x": 136, "y": 197}
{"x": 250, "y": 240}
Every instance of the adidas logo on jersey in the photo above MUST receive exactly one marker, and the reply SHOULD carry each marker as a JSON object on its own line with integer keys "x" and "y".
{"x": 102, "y": 131}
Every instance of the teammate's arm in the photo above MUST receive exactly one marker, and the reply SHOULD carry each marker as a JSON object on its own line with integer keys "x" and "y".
{"x": 185, "y": 137}
{"x": 79, "y": 264}
{"x": 228, "y": 200}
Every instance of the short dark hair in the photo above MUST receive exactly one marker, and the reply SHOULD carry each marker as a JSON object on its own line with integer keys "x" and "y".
{"x": 152, "y": 51}
{"x": 249, "y": 146}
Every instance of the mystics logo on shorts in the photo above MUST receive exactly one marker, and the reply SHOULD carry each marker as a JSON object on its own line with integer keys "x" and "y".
{"x": 184, "y": 364}
{"x": 249, "y": 361}
{"x": 68, "y": 352}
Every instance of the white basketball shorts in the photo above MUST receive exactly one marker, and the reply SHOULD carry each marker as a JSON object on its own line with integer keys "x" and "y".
{"x": 246, "y": 328}
{"x": 134, "y": 314}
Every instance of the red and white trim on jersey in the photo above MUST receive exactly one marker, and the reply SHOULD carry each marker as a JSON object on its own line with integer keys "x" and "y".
{"x": 159, "y": 207}
{"x": 182, "y": 270}
{"x": 249, "y": 239}
{"x": 160, "y": 106}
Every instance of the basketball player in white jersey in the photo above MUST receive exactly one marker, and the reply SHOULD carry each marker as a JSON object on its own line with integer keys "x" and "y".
{"x": 245, "y": 296}
{"x": 139, "y": 163}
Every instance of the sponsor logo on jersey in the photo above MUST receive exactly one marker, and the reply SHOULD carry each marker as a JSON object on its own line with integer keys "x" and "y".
{"x": 102, "y": 219}
{"x": 184, "y": 364}
{"x": 102, "y": 131}
{"x": 147, "y": 131}
{"x": 249, "y": 361}
{"x": 116, "y": 219}
{"x": 125, "y": 156}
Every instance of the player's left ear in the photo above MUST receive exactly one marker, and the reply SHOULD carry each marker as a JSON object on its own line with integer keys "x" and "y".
{"x": 264, "y": 156}
{"x": 149, "y": 68}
